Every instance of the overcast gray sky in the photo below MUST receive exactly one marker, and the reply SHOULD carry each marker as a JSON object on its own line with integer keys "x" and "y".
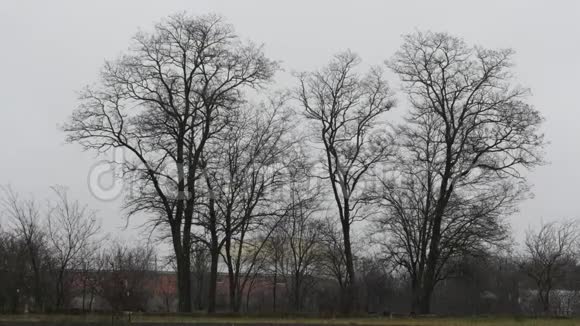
{"x": 51, "y": 49}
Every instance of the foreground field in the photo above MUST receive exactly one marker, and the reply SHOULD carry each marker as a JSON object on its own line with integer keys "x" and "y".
{"x": 176, "y": 320}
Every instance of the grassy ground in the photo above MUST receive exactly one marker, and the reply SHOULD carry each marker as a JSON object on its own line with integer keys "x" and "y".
{"x": 41, "y": 320}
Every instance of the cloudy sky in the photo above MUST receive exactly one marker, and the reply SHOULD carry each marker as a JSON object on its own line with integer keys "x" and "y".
{"x": 51, "y": 49}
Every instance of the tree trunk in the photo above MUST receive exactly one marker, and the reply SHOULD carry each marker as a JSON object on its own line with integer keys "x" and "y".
{"x": 545, "y": 299}
{"x": 428, "y": 281}
{"x": 201, "y": 277}
{"x": 92, "y": 298}
{"x": 297, "y": 292}
{"x": 349, "y": 299}
{"x": 231, "y": 278}
{"x": 232, "y": 289}
{"x": 421, "y": 300}
{"x": 425, "y": 301}
{"x": 60, "y": 289}
{"x": 274, "y": 288}
{"x": 184, "y": 283}
{"x": 212, "y": 291}
{"x": 416, "y": 299}
{"x": 238, "y": 301}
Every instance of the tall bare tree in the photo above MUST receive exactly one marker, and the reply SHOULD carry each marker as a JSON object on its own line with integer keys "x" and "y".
{"x": 346, "y": 108}
{"x": 161, "y": 102}
{"x": 547, "y": 253}
{"x": 244, "y": 167}
{"x": 469, "y": 132}
{"x": 472, "y": 223}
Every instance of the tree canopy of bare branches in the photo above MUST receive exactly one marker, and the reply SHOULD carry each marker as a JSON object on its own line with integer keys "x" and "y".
{"x": 468, "y": 135}
{"x": 346, "y": 108}
{"x": 244, "y": 167}
{"x": 161, "y": 102}
{"x": 24, "y": 217}
{"x": 294, "y": 248}
{"x": 71, "y": 227}
{"x": 547, "y": 252}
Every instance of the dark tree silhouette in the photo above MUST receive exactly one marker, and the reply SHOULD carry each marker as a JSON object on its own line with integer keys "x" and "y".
{"x": 244, "y": 166}
{"x": 547, "y": 254}
{"x": 297, "y": 246}
{"x": 468, "y": 135}
{"x": 345, "y": 108}
{"x": 71, "y": 228}
{"x": 161, "y": 102}
{"x": 24, "y": 219}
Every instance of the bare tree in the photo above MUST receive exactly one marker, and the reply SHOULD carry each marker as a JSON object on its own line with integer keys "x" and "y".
{"x": 346, "y": 108}
{"x": 24, "y": 218}
{"x": 161, "y": 102}
{"x": 71, "y": 228}
{"x": 468, "y": 131}
{"x": 473, "y": 222}
{"x": 293, "y": 250}
{"x": 548, "y": 252}
{"x": 302, "y": 233}
{"x": 243, "y": 168}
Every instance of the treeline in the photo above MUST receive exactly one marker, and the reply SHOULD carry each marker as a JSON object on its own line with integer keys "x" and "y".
{"x": 53, "y": 253}
{"x": 300, "y": 270}
{"x": 278, "y": 183}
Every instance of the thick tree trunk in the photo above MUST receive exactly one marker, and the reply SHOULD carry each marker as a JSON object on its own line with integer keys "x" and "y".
{"x": 296, "y": 292}
{"x": 231, "y": 283}
{"x": 214, "y": 252}
{"x": 416, "y": 297}
{"x": 233, "y": 293}
{"x": 545, "y": 300}
{"x": 349, "y": 295}
{"x": 421, "y": 301}
{"x": 425, "y": 301}
{"x": 238, "y": 302}
{"x": 184, "y": 283}
{"x": 212, "y": 291}
{"x": 60, "y": 289}
{"x": 429, "y": 279}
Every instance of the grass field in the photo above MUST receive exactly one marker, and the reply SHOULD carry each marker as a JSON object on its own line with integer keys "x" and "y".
{"x": 41, "y": 320}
